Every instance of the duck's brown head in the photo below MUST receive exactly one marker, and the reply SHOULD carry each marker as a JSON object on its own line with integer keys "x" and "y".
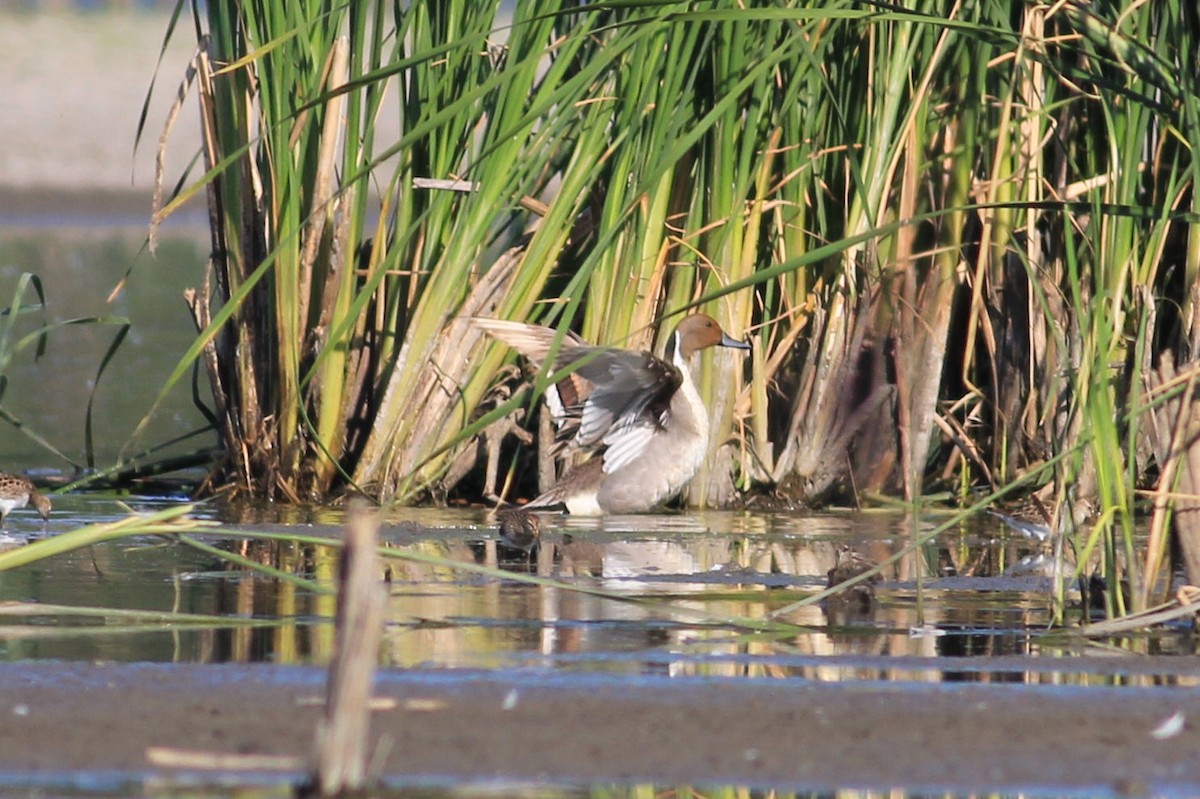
{"x": 698, "y": 332}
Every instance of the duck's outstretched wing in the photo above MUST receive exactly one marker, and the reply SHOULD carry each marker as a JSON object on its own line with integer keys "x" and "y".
{"x": 615, "y": 398}
{"x": 628, "y": 405}
{"x": 532, "y": 341}
{"x": 567, "y": 397}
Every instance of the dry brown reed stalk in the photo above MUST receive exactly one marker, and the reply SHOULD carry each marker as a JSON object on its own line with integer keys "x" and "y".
{"x": 343, "y": 735}
{"x": 1175, "y": 436}
{"x": 426, "y": 398}
{"x": 832, "y": 407}
{"x": 942, "y": 213}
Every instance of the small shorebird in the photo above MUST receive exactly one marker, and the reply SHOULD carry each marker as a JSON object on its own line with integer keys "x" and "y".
{"x": 1035, "y": 519}
{"x": 520, "y": 529}
{"x": 853, "y": 604}
{"x": 639, "y": 413}
{"x": 850, "y": 564}
{"x": 16, "y": 492}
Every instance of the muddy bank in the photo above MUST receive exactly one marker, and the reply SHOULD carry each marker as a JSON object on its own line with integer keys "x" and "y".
{"x": 78, "y": 719}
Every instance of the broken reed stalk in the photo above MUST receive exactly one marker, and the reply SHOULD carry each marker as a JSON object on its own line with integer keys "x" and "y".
{"x": 1175, "y": 436}
{"x": 343, "y": 734}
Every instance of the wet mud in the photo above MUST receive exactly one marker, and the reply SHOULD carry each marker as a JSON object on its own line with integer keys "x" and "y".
{"x": 570, "y": 729}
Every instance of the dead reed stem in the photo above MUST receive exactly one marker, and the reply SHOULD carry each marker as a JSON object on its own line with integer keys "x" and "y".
{"x": 343, "y": 734}
{"x": 1175, "y": 434}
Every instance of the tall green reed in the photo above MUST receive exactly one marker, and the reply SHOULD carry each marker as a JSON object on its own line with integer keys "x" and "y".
{"x": 25, "y": 331}
{"x": 941, "y": 228}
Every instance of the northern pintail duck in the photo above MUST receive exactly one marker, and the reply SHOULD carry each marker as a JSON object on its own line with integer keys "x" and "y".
{"x": 641, "y": 414}
{"x": 17, "y": 492}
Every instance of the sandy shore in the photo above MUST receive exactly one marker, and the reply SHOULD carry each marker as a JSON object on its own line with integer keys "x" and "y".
{"x": 73, "y": 86}
{"x": 68, "y": 719}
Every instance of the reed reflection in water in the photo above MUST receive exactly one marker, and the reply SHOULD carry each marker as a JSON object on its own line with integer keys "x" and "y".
{"x": 954, "y": 609}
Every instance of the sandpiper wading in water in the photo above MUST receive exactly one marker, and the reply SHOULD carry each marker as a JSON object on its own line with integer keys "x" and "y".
{"x": 16, "y": 492}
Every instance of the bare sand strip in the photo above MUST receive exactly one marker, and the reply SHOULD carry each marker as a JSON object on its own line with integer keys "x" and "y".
{"x": 73, "y": 86}
{"x": 79, "y": 719}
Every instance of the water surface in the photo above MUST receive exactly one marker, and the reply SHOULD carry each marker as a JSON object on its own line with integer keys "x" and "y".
{"x": 655, "y": 611}
{"x": 674, "y": 594}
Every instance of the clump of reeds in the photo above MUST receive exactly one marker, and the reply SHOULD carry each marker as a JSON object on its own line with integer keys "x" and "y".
{"x": 956, "y": 241}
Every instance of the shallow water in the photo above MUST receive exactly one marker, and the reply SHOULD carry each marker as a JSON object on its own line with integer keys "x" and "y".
{"x": 644, "y": 604}
{"x": 665, "y": 594}
{"x": 671, "y": 627}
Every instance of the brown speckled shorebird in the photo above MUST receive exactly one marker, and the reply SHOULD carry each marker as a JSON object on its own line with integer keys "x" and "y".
{"x": 519, "y": 529}
{"x": 850, "y": 564}
{"x": 17, "y": 492}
